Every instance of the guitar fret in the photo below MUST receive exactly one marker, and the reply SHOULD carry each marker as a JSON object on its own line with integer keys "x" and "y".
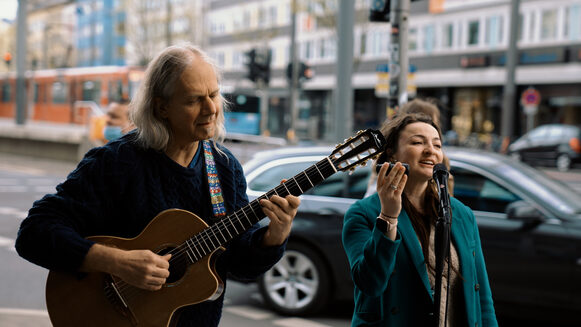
{"x": 223, "y": 237}
{"x": 307, "y": 176}
{"x": 323, "y": 177}
{"x": 198, "y": 251}
{"x": 235, "y": 214}
{"x": 210, "y": 238}
{"x": 226, "y": 228}
{"x": 298, "y": 185}
{"x": 284, "y": 184}
{"x": 207, "y": 247}
{"x": 254, "y": 212}
{"x": 332, "y": 165}
{"x": 190, "y": 251}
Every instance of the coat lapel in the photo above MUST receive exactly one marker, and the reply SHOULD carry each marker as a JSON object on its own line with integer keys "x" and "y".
{"x": 412, "y": 245}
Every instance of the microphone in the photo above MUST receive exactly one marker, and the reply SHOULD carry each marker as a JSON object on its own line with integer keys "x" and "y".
{"x": 441, "y": 176}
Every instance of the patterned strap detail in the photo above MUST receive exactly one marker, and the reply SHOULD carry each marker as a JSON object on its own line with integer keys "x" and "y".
{"x": 214, "y": 183}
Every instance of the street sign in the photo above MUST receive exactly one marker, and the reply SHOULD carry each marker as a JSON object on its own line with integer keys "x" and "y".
{"x": 530, "y": 97}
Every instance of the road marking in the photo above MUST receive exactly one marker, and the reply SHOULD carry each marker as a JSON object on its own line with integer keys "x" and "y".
{"x": 8, "y": 243}
{"x": 249, "y": 312}
{"x": 295, "y": 322}
{"x": 8, "y": 211}
{"x": 13, "y": 188}
{"x": 24, "y": 312}
{"x": 20, "y": 169}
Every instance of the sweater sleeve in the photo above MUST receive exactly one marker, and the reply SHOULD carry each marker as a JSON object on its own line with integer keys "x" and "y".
{"x": 53, "y": 234}
{"x": 246, "y": 258}
{"x": 363, "y": 242}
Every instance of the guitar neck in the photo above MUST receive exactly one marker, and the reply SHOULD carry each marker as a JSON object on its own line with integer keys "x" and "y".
{"x": 244, "y": 218}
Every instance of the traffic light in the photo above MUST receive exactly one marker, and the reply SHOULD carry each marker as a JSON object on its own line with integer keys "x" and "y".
{"x": 305, "y": 71}
{"x": 7, "y": 58}
{"x": 258, "y": 64}
{"x": 379, "y": 10}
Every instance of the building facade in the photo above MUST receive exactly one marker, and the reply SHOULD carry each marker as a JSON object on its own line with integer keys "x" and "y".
{"x": 101, "y": 28}
{"x": 457, "y": 53}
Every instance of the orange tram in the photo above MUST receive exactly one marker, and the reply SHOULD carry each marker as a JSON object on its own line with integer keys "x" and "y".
{"x": 69, "y": 95}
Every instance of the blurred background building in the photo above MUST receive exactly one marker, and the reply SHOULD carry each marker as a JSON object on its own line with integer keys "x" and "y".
{"x": 457, "y": 55}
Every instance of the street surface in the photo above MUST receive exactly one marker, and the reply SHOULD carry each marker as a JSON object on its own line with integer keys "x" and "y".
{"x": 25, "y": 179}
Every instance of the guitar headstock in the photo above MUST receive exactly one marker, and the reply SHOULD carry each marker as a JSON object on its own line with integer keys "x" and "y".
{"x": 358, "y": 149}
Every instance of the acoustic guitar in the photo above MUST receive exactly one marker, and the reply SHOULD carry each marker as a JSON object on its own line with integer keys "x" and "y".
{"x": 104, "y": 300}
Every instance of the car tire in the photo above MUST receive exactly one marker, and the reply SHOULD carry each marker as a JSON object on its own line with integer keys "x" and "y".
{"x": 299, "y": 284}
{"x": 563, "y": 162}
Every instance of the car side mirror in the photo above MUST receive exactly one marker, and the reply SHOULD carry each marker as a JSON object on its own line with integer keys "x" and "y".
{"x": 523, "y": 211}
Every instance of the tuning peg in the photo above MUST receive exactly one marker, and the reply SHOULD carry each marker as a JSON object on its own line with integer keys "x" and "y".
{"x": 364, "y": 163}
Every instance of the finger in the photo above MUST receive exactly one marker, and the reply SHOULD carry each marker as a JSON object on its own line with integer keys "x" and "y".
{"x": 293, "y": 201}
{"x": 276, "y": 211}
{"x": 402, "y": 183}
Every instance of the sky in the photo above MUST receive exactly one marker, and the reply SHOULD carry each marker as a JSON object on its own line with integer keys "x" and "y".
{"x": 8, "y": 8}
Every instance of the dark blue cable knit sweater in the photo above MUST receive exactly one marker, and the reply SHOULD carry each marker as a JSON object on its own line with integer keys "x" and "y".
{"x": 116, "y": 190}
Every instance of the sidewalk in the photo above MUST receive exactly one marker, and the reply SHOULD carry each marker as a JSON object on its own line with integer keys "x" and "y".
{"x": 42, "y": 139}
{"x": 24, "y": 318}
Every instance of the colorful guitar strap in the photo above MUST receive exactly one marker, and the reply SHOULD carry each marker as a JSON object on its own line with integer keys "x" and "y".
{"x": 213, "y": 182}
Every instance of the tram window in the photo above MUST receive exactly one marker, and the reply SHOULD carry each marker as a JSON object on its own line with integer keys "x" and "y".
{"x": 59, "y": 92}
{"x": 115, "y": 90}
{"x": 36, "y": 90}
{"x": 91, "y": 91}
{"x": 6, "y": 92}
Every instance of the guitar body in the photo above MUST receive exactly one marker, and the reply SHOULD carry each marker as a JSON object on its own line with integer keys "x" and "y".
{"x": 86, "y": 301}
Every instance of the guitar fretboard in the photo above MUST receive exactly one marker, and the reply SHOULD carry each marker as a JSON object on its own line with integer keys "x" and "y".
{"x": 244, "y": 218}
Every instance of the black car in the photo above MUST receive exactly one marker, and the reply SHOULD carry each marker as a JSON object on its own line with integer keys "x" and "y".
{"x": 549, "y": 145}
{"x": 530, "y": 227}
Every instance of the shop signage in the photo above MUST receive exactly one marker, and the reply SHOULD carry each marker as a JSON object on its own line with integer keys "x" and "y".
{"x": 473, "y": 61}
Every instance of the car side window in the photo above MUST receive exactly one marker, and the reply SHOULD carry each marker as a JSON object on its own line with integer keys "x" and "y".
{"x": 539, "y": 134}
{"x": 340, "y": 184}
{"x": 480, "y": 193}
{"x": 272, "y": 177}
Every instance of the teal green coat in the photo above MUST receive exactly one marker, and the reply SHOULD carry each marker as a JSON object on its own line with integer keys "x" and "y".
{"x": 391, "y": 280}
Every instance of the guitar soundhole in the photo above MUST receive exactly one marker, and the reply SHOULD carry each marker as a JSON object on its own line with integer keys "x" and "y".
{"x": 178, "y": 264}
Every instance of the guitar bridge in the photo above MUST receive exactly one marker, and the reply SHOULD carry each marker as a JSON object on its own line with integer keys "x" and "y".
{"x": 114, "y": 296}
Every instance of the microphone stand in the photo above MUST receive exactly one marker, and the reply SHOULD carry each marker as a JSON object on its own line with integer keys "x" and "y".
{"x": 442, "y": 243}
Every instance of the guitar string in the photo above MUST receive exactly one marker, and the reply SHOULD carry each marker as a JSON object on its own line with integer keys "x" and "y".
{"x": 128, "y": 291}
{"x": 123, "y": 286}
{"x": 205, "y": 233}
{"x": 205, "y": 236}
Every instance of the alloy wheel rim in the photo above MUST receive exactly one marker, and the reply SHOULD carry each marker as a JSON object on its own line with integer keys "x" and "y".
{"x": 293, "y": 282}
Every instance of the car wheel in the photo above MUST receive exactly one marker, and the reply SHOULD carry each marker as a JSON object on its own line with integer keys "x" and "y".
{"x": 299, "y": 284}
{"x": 563, "y": 162}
